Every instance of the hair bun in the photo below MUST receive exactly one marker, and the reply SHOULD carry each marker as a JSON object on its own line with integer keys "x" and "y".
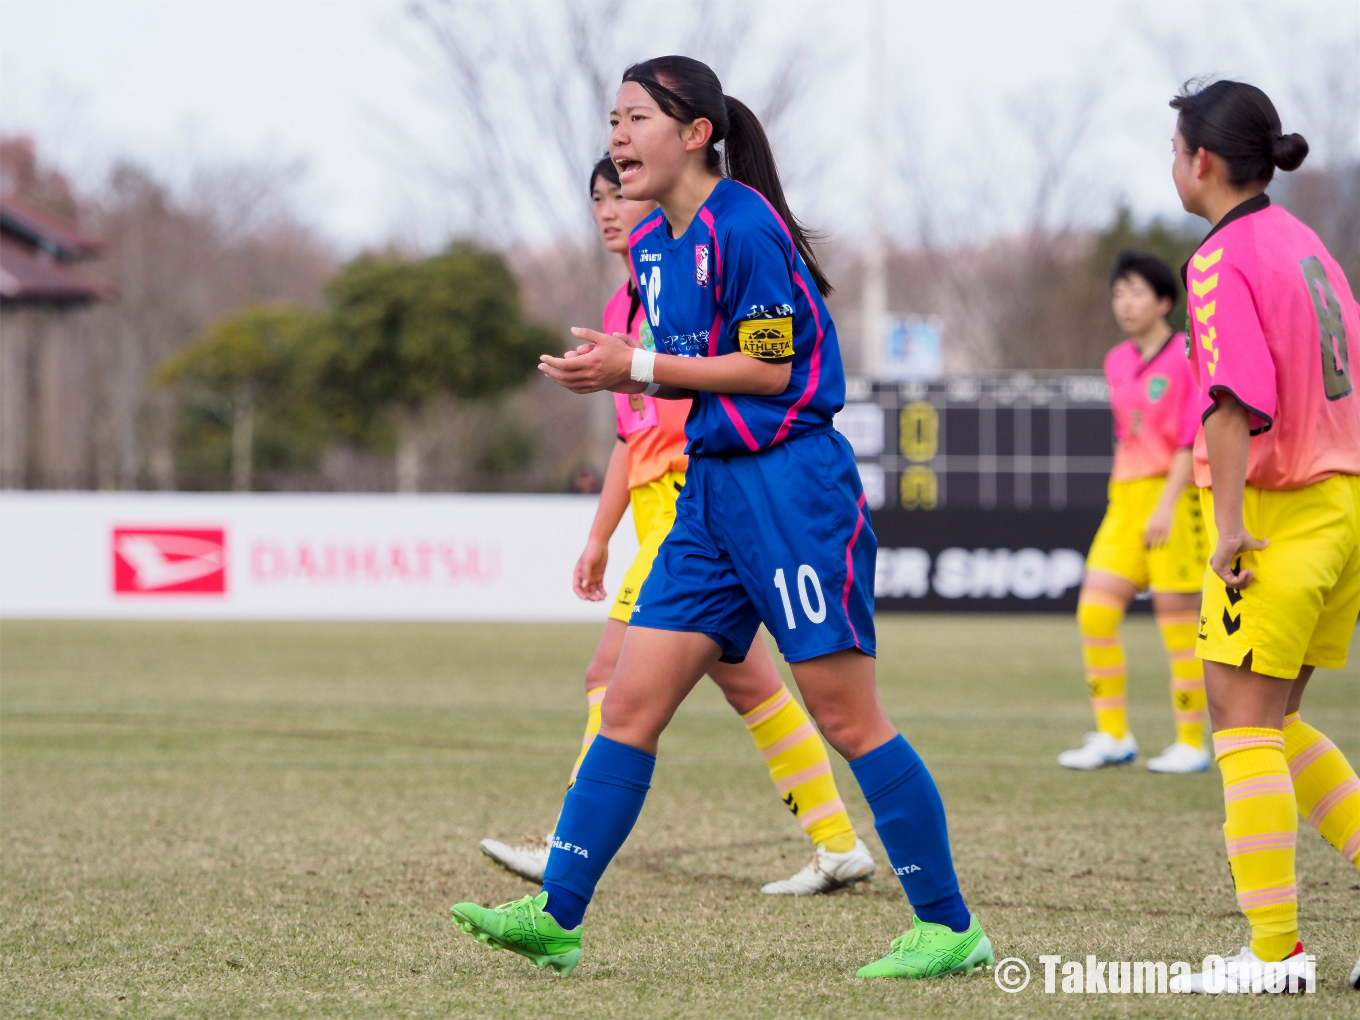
{"x": 1288, "y": 151}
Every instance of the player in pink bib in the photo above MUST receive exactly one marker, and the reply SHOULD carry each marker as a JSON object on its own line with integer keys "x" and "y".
{"x": 1153, "y": 533}
{"x": 1271, "y": 316}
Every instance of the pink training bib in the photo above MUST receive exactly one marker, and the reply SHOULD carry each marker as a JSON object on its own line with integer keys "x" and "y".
{"x": 1275, "y": 324}
{"x": 635, "y": 412}
{"x": 1156, "y": 408}
{"x": 653, "y": 429}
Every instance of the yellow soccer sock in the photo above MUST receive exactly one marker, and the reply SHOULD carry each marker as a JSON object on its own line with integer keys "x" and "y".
{"x": 1260, "y": 830}
{"x": 1098, "y": 616}
{"x": 1325, "y": 785}
{"x": 596, "y": 698}
{"x": 1187, "y": 675}
{"x": 801, "y": 770}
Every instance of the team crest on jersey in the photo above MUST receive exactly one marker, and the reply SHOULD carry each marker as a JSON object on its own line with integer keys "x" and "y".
{"x": 701, "y": 264}
{"x": 1156, "y": 388}
{"x": 646, "y": 336}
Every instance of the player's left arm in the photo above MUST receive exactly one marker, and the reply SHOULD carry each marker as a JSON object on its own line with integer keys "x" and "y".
{"x": 608, "y": 365}
{"x": 587, "y": 577}
{"x": 1157, "y": 531}
{"x": 1182, "y": 468}
{"x": 1227, "y": 433}
{"x": 756, "y": 297}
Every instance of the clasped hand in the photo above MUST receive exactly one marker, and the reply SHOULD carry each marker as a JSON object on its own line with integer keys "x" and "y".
{"x": 603, "y": 362}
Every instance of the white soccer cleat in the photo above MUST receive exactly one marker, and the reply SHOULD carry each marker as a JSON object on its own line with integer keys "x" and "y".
{"x": 1246, "y": 973}
{"x": 1180, "y": 758}
{"x": 1355, "y": 976}
{"x": 826, "y": 872}
{"x": 527, "y": 859}
{"x": 1098, "y": 750}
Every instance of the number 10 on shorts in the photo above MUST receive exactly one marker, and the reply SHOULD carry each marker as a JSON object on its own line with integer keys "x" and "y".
{"x": 809, "y": 587}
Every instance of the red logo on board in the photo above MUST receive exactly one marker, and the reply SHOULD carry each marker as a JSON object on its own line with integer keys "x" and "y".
{"x": 169, "y": 561}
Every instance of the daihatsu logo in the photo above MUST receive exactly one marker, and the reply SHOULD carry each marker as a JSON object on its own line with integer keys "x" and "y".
{"x": 168, "y": 561}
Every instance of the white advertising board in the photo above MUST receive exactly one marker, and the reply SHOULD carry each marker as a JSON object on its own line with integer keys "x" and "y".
{"x": 298, "y": 557}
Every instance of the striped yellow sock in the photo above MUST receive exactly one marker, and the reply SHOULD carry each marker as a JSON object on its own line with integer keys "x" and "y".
{"x": 801, "y": 770}
{"x": 1098, "y": 616}
{"x": 1260, "y": 830}
{"x": 596, "y": 698}
{"x": 1187, "y": 675}
{"x": 1325, "y": 785}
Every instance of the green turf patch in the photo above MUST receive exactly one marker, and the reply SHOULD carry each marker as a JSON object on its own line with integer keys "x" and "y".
{"x": 223, "y": 820}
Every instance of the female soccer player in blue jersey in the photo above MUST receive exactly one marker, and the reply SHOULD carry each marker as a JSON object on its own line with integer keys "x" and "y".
{"x": 647, "y": 469}
{"x": 771, "y": 526}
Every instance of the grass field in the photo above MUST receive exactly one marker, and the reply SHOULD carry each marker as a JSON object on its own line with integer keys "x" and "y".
{"x": 272, "y": 820}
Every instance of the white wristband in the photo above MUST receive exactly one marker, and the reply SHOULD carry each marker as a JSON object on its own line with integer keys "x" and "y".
{"x": 644, "y": 362}
{"x": 652, "y": 389}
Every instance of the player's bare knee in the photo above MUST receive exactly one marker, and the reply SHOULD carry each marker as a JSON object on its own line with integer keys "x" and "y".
{"x": 840, "y": 727}
{"x": 599, "y": 673}
{"x": 632, "y": 727}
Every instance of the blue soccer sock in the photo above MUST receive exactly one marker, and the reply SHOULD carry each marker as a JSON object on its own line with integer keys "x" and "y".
{"x": 909, "y": 817}
{"x": 597, "y": 816}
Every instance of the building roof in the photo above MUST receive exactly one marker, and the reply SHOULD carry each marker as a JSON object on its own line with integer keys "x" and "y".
{"x": 44, "y": 230}
{"x": 29, "y": 275}
{"x": 38, "y": 253}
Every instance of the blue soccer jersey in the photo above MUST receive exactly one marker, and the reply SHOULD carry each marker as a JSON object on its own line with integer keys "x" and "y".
{"x": 733, "y": 281}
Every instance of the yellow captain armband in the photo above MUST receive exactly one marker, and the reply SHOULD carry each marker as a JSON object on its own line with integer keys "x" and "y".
{"x": 766, "y": 339}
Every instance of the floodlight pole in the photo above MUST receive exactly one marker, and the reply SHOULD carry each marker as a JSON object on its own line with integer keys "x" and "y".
{"x": 874, "y": 310}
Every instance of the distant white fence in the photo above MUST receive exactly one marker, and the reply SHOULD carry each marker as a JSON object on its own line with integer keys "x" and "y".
{"x": 298, "y": 557}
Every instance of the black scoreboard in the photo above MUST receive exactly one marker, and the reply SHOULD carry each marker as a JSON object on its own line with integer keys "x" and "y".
{"x": 1019, "y": 442}
{"x": 985, "y": 491}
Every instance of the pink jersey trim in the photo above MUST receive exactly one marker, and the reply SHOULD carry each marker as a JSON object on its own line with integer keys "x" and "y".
{"x": 645, "y": 227}
{"x": 777, "y": 218}
{"x": 716, "y": 330}
{"x": 814, "y": 369}
{"x": 707, "y": 218}
{"x": 815, "y": 363}
{"x": 850, "y": 567}
{"x": 738, "y": 423}
{"x": 642, "y": 229}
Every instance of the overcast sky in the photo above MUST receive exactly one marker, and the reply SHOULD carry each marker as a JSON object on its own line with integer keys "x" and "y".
{"x": 331, "y": 86}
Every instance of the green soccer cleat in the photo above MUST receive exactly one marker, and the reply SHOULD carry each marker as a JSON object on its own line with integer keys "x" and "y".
{"x": 929, "y": 950}
{"x": 523, "y": 927}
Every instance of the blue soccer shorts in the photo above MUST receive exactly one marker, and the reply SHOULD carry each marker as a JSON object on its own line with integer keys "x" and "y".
{"x": 781, "y": 537}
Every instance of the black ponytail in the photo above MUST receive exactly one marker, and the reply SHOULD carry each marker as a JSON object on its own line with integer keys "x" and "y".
{"x": 1239, "y": 124}
{"x": 686, "y": 89}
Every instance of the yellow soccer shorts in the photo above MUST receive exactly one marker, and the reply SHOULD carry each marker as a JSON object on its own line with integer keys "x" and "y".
{"x": 1301, "y": 605}
{"x": 653, "y": 514}
{"x": 1118, "y": 548}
